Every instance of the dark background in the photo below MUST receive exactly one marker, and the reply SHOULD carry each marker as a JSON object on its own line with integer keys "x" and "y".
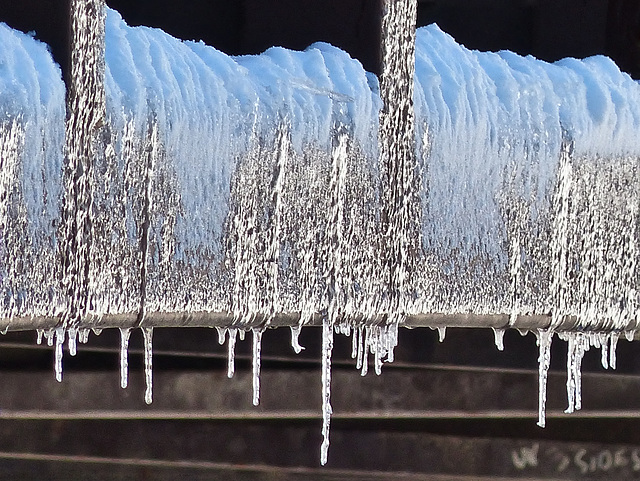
{"x": 547, "y": 29}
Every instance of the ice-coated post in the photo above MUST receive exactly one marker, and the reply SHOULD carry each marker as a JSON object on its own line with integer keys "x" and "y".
{"x": 85, "y": 121}
{"x": 397, "y": 147}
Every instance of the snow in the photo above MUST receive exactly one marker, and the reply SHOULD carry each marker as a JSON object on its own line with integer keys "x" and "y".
{"x": 214, "y": 112}
{"x": 515, "y": 155}
{"x": 32, "y": 113}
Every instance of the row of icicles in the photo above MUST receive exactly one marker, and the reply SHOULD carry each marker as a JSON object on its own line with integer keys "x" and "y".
{"x": 379, "y": 341}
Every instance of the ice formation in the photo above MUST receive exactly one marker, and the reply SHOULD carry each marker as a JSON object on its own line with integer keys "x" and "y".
{"x": 32, "y": 123}
{"x": 125, "y": 334}
{"x": 282, "y": 183}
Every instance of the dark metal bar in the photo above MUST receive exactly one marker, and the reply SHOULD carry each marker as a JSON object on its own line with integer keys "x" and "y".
{"x": 225, "y": 319}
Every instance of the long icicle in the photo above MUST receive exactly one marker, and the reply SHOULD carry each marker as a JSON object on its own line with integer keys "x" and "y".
{"x": 327, "y": 350}
{"x": 147, "y": 334}
{"x": 544, "y": 339}
{"x": 125, "y": 333}
{"x": 257, "y": 344}
{"x": 231, "y": 352}
{"x": 59, "y": 335}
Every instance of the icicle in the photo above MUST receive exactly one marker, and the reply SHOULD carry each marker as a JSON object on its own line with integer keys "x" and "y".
{"x": 83, "y": 336}
{"x": 49, "y": 335}
{"x": 392, "y": 341}
{"x": 97, "y": 331}
{"x": 72, "y": 342}
{"x": 231, "y": 352}
{"x": 365, "y": 351}
{"x": 344, "y": 328}
{"x": 222, "y": 334}
{"x": 257, "y": 344}
{"x": 40, "y": 333}
{"x": 544, "y": 339}
{"x": 629, "y": 335}
{"x": 578, "y": 344}
{"x": 59, "y": 334}
{"x": 604, "y": 351}
{"x": 295, "y": 335}
{"x": 124, "y": 357}
{"x": 327, "y": 349}
{"x": 360, "y": 353}
{"x": 442, "y": 332}
{"x": 571, "y": 383}
{"x": 147, "y": 334}
{"x": 354, "y": 342}
{"x": 377, "y": 350}
{"x": 580, "y": 350}
{"x": 498, "y": 335}
{"x": 613, "y": 340}
{"x": 241, "y": 334}
{"x": 523, "y": 332}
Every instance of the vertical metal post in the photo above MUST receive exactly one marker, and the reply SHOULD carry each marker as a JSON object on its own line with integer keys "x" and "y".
{"x": 400, "y": 209}
{"x": 85, "y": 120}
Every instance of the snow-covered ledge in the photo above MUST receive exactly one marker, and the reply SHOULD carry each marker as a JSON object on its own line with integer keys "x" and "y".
{"x": 294, "y": 188}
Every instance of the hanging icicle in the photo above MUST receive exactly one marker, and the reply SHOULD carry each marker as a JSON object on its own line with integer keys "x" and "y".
{"x": 257, "y": 346}
{"x": 72, "y": 340}
{"x": 442, "y": 332}
{"x": 222, "y": 334}
{"x": 613, "y": 340}
{"x": 59, "y": 334}
{"x": 295, "y": 336}
{"x": 544, "y": 339}
{"x": 125, "y": 333}
{"x": 231, "y": 352}
{"x": 147, "y": 334}
{"x": 499, "y": 338}
{"x": 83, "y": 336}
{"x": 327, "y": 350}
